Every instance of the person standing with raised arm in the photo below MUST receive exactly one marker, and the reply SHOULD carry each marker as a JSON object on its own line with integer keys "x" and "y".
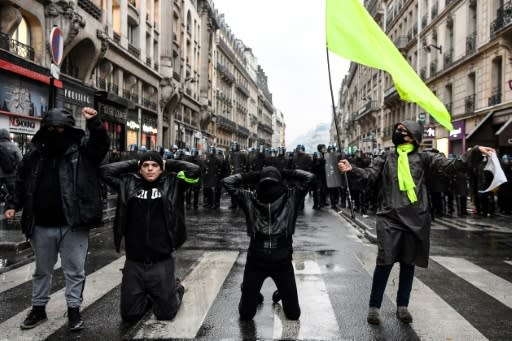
{"x": 58, "y": 188}
{"x": 403, "y": 221}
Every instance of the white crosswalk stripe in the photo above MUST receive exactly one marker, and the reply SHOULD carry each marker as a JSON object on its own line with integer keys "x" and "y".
{"x": 316, "y": 308}
{"x": 202, "y": 286}
{"x": 434, "y": 319}
{"x": 484, "y": 280}
{"x": 98, "y": 284}
{"x": 15, "y": 277}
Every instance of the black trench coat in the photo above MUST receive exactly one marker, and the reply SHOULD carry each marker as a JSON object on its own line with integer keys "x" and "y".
{"x": 403, "y": 229}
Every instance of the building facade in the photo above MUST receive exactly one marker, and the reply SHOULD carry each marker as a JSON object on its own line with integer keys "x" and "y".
{"x": 278, "y": 127}
{"x": 461, "y": 49}
{"x": 152, "y": 68}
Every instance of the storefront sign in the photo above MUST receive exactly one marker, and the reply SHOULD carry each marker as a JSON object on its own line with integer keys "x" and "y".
{"x": 19, "y": 125}
{"x": 79, "y": 97}
{"x": 112, "y": 112}
{"x": 133, "y": 125}
{"x": 458, "y": 131}
{"x": 429, "y": 132}
{"x": 149, "y": 129}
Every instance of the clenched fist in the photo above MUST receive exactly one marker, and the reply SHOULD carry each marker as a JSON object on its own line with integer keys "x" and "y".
{"x": 344, "y": 166}
{"x": 89, "y": 113}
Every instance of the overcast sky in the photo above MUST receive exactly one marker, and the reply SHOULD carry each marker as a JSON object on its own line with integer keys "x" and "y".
{"x": 288, "y": 39}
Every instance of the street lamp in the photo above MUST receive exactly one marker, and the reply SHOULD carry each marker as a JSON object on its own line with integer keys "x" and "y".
{"x": 429, "y": 46}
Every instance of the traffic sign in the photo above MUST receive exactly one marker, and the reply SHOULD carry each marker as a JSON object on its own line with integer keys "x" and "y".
{"x": 56, "y": 45}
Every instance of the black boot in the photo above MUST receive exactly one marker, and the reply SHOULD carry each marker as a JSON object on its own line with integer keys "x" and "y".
{"x": 36, "y": 316}
{"x": 75, "y": 321}
{"x": 276, "y": 297}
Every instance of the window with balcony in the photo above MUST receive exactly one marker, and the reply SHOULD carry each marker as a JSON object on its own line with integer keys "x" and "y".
{"x": 131, "y": 33}
{"x": 469, "y": 101}
{"x": 448, "y": 97}
{"x": 20, "y": 42}
{"x": 496, "y": 81}
{"x": 189, "y": 23}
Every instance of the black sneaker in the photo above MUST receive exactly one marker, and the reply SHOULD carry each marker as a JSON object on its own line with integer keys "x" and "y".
{"x": 403, "y": 314}
{"x": 36, "y": 316}
{"x": 276, "y": 297}
{"x": 373, "y": 316}
{"x": 75, "y": 322}
{"x": 180, "y": 288}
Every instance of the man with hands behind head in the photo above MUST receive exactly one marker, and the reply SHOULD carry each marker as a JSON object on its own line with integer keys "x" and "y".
{"x": 59, "y": 191}
{"x": 150, "y": 217}
{"x": 403, "y": 221}
{"x": 271, "y": 213}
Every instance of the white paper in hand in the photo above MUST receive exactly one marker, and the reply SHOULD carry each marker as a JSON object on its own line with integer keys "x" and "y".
{"x": 493, "y": 166}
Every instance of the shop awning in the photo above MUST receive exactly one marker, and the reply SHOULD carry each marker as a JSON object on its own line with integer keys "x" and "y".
{"x": 483, "y": 133}
{"x": 505, "y": 134}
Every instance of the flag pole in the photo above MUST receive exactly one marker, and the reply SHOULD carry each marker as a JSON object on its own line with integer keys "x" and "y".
{"x": 338, "y": 133}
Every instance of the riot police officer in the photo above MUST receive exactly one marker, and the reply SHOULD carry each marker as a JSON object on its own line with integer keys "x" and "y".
{"x": 212, "y": 176}
{"x": 332, "y": 176}
{"x": 301, "y": 160}
{"x": 237, "y": 162}
{"x": 194, "y": 190}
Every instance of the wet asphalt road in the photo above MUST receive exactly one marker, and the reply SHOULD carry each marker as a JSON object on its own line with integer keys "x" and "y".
{"x": 344, "y": 261}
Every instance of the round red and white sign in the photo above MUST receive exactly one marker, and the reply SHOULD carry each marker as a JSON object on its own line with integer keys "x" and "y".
{"x": 56, "y": 45}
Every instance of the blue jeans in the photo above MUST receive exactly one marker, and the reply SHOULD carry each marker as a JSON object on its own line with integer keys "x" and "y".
{"x": 380, "y": 279}
{"x": 47, "y": 243}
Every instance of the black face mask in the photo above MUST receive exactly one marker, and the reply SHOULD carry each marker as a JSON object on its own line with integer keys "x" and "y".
{"x": 398, "y": 138}
{"x": 269, "y": 191}
{"x": 57, "y": 143}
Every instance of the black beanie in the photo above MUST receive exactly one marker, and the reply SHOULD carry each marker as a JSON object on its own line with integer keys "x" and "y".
{"x": 151, "y": 156}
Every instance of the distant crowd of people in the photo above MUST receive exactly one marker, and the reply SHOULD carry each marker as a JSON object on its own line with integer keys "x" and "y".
{"x": 449, "y": 194}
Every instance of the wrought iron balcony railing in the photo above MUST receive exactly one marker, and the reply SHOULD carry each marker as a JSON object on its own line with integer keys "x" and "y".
{"x": 494, "y": 99}
{"x": 91, "y": 8}
{"x": 503, "y": 18}
{"x": 471, "y": 43}
{"x": 14, "y": 46}
{"x": 469, "y": 103}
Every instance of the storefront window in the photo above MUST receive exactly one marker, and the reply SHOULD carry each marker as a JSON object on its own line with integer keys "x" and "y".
{"x": 115, "y": 132}
{"x": 22, "y": 140}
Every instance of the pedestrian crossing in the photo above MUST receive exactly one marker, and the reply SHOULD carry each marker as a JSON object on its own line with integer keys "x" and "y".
{"x": 205, "y": 283}
{"x": 202, "y": 286}
{"x": 484, "y": 280}
{"x": 316, "y": 310}
{"x": 20, "y": 275}
{"x": 98, "y": 284}
{"x": 434, "y": 319}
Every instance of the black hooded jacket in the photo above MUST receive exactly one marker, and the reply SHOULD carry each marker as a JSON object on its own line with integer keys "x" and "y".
{"x": 396, "y": 210}
{"x": 270, "y": 225}
{"x": 124, "y": 178}
{"x": 78, "y": 176}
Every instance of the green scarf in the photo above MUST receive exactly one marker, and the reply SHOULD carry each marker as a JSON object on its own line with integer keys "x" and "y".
{"x": 405, "y": 180}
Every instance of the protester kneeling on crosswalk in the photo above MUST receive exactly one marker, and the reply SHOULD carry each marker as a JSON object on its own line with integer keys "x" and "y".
{"x": 271, "y": 212}
{"x": 151, "y": 219}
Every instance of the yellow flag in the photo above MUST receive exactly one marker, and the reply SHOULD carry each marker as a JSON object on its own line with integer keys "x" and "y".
{"x": 353, "y": 34}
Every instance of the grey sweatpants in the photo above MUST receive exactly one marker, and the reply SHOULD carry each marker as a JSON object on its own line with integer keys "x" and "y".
{"x": 47, "y": 243}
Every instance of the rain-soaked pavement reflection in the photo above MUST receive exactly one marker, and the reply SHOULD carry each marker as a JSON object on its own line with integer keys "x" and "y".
{"x": 333, "y": 266}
